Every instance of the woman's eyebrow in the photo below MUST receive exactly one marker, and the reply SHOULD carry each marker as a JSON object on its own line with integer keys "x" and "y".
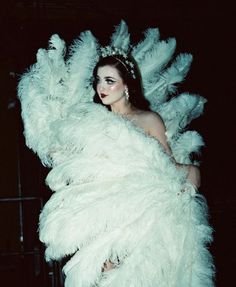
{"x": 106, "y": 77}
{"x": 110, "y": 77}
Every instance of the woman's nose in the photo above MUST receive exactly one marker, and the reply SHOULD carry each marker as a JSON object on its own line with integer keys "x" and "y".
{"x": 100, "y": 87}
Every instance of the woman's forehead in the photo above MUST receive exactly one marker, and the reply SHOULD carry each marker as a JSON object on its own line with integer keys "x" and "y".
{"x": 108, "y": 71}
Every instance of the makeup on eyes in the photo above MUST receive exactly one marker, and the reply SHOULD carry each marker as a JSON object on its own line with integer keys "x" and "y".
{"x": 109, "y": 80}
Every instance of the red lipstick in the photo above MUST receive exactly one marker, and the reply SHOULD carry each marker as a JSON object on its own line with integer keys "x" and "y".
{"x": 103, "y": 96}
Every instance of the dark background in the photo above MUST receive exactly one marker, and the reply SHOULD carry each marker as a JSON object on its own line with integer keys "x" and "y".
{"x": 202, "y": 28}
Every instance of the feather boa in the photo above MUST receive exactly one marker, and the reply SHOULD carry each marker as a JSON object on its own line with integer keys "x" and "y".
{"x": 117, "y": 194}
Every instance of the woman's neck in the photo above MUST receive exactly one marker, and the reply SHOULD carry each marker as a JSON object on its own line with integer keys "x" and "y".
{"x": 123, "y": 108}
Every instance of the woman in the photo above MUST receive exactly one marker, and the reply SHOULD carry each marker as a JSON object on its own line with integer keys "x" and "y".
{"x": 112, "y": 76}
{"x": 125, "y": 206}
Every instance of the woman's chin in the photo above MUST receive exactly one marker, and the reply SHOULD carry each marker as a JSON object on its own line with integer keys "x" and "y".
{"x": 106, "y": 102}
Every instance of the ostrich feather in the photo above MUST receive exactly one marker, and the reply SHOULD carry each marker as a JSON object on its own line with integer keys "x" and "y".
{"x": 57, "y": 48}
{"x": 50, "y": 71}
{"x": 151, "y": 37}
{"x": 177, "y": 71}
{"x": 180, "y": 111}
{"x": 42, "y": 92}
{"x": 82, "y": 59}
{"x": 158, "y": 90}
{"x": 121, "y": 37}
{"x": 187, "y": 143}
{"x": 156, "y": 59}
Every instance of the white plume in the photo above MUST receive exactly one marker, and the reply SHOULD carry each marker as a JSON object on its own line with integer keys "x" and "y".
{"x": 159, "y": 90}
{"x": 121, "y": 37}
{"x": 82, "y": 59}
{"x": 178, "y": 112}
{"x": 157, "y": 58}
{"x": 143, "y": 47}
{"x": 42, "y": 93}
{"x": 187, "y": 143}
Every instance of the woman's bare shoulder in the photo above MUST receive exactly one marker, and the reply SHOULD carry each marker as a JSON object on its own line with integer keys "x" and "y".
{"x": 155, "y": 127}
{"x": 150, "y": 121}
{"x": 151, "y": 118}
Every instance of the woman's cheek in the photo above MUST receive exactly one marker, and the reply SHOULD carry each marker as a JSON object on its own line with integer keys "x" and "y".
{"x": 116, "y": 87}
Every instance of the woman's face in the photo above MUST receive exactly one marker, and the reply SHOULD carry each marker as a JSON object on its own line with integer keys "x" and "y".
{"x": 110, "y": 86}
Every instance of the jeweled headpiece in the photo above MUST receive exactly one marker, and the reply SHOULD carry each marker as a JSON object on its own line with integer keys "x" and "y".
{"x": 121, "y": 56}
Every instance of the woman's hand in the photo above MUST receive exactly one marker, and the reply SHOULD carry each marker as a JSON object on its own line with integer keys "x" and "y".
{"x": 194, "y": 176}
{"x": 108, "y": 265}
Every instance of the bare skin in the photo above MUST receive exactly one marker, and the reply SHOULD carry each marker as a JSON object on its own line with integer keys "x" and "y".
{"x": 108, "y": 265}
{"x": 154, "y": 126}
{"x": 111, "y": 90}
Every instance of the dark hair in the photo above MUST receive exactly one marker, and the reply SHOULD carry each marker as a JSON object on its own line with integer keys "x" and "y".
{"x": 136, "y": 97}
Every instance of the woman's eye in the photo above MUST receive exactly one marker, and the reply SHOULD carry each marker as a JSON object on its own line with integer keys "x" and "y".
{"x": 107, "y": 81}
{"x": 110, "y": 81}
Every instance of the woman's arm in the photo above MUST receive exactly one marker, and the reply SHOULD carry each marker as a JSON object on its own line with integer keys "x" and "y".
{"x": 156, "y": 128}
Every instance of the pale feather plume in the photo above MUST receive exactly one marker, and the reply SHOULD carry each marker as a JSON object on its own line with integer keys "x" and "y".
{"x": 42, "y": 93}
{"x": 159, "y": 91}
{"x": 82, "y": 60}
{"x": 142, "y": 48}
{"x": 121, "y": 37}
{"x": 57, "y": 48}
{"x": 157, "y": 58}
{"x": 177, "y": 71}
{"x": 187, "y": 143}
{"x": 178, "y": 112}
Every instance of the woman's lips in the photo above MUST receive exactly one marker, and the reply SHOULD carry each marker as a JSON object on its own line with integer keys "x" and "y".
{"x": 103, "y": 96}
